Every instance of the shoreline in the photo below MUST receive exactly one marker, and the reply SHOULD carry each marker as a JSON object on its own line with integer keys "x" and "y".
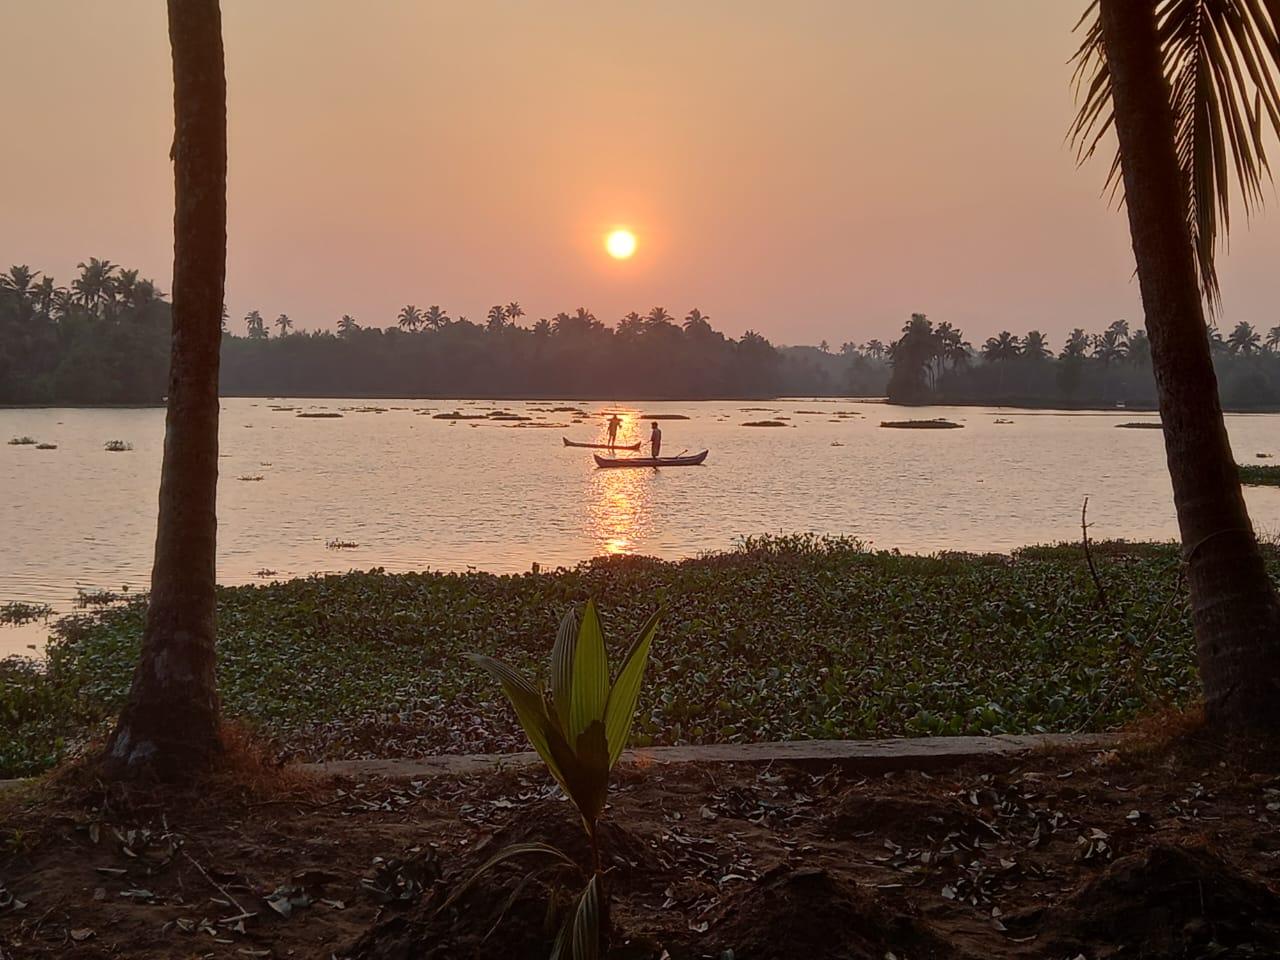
{"x": 995, "y": 404}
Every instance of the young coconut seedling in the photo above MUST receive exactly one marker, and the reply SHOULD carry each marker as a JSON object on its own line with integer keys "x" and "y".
{"x": 579, "y": 729}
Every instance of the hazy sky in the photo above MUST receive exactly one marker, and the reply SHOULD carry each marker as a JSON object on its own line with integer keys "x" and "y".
{"x": 811, "y": 169}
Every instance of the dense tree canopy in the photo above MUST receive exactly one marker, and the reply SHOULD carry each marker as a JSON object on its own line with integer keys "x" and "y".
{"x": 104, "y": 339}
{"x": 934, "y": 364}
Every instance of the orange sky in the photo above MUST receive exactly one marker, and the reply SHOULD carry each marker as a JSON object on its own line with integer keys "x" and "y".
{"x": 814, "y": 169}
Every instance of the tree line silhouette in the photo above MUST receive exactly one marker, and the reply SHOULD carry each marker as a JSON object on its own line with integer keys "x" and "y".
{"x": 104, "y": 339}
{"x": 936, "y": 364}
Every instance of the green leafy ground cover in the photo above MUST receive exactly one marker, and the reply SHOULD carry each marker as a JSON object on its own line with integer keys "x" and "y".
{"x": 780, "y": 639}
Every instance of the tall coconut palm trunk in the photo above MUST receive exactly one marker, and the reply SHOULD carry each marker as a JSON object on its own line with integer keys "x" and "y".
{"x": 169, "y": 726}
{"x": 1235, "y": 608}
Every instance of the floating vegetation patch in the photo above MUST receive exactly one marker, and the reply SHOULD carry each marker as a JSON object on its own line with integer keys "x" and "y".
{"x": 326, "y": 415}
{"x": 1140, "y": 425}
{"x": 250, "y": 479}
{"x": 515, "y": 417}
{"x": 264, "y": 573}
{"x": 1263, "y": 456}
{"x": 117, "y": 446}
{"x": 663, "y": 416}
{"x": 101, "y": 598}
{"x": 764, "y": 423}
{"x": 22, "y": 442}
{"x": 781, "y": 639}
{"x": 365, "y": 409}
{"x": 455, "y": 415}
{"x": 817, "y": 412}
{"x": 46, "y": 446}
{"x": 17, "y": 612}
{"x": 1002, "y": 421}
{"x": 936, "y": 424}
{"x": 337, "y": 544}
{"x": 1260, "y": 475}
{"x": 576, "y": 411}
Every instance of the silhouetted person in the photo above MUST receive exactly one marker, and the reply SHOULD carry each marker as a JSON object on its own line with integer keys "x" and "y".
{"x": 614, "y": 424}
{"x": 655, "y": 440}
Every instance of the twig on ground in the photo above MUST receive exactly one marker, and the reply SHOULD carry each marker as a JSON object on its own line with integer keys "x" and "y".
{"x": 219, "y": 887}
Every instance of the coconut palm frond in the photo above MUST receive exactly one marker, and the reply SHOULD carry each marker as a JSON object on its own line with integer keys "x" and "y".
{"x": 1222, "y": 63}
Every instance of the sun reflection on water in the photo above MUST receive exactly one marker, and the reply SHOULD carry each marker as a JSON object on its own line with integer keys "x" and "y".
{"x": 618, "y": 514}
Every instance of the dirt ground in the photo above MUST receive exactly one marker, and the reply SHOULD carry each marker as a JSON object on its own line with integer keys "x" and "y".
{"x": 1169, "y": 851}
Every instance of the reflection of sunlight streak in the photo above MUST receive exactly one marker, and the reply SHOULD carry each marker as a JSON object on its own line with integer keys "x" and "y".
{"x": 619, "y": 510}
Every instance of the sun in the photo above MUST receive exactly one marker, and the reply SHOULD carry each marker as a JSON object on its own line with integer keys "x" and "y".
{"x": 621, "y": 244}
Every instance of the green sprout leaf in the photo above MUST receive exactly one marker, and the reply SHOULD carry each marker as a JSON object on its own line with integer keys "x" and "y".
{"x": 590, "y": 676}
{"x": 562, "y": 656}
{"x": 621, "y": 708}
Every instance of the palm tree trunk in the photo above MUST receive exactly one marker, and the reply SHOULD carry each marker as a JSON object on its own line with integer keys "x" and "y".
{"x": 1234, "y": 605}
{"x": 169, "y": 726}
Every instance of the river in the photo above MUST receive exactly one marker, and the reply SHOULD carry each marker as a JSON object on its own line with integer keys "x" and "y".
{"x": 388, "y": 485}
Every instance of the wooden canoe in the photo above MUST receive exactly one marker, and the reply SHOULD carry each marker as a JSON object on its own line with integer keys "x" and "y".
{"x": 602, "y": 446}
{"x": 693, "y": 460}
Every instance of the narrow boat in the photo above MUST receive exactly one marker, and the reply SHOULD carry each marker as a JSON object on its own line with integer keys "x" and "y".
{"x": 693, "y": 460}
{"x": 602, "y": 446}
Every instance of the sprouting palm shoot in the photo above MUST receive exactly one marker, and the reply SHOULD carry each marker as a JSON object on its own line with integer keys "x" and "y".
{"x": 579, "y": 729}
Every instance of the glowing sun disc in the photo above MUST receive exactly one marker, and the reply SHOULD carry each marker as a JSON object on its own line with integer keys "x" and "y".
{"x": 621, "y": 244}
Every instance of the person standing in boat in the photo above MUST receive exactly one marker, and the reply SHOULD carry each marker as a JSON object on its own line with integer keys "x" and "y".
{"x": 655, "y": 440}
{"x": 614, "y": 424}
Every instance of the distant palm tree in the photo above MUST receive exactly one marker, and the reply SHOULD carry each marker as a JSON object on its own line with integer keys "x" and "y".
{"x": 1190, "y": 91}
{"x": 496, "y": 319}
{"x": 513, "y": 311}
{"x": 874, "y": 349}
{"x": 658, "y": 316}
{"x": 95, "y": 287}
{"x": 1217, "y": 345}
{"x": 347, "y": 326}
{"x": 824, "y": 347}
{"x": 409, "y": 318}
{"x": 1109, "y": 347}
{"x": 542, "y": 328}
{"x": 1140, "y": 349}
{"x": 435, "y": 318}
{"x": 46, "y": 295}
{"x": 1004, "y": 346}
{"x": 1244, "y": 339}
{"x": 848, "y": 349}
{"x": 257, "y": 327}
{"x": 283, "y": 325}
{"x": 696, "y": 318}
{"x": 1077, "y": 345}
{"x": 19, "y": 279}
{"x": 632, "y": 325}
{"x": 1036, "y": 346}
{"x": 1273, "y": 339}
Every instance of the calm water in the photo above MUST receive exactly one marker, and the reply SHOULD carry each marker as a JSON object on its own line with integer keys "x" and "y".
{"x": 416, "y": 493}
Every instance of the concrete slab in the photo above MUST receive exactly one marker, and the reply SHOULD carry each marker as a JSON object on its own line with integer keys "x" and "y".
{"x": 865, "y": 756}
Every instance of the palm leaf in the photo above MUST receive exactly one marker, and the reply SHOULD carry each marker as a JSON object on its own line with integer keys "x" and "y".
{"x": 506, "y": 853}
{"x": 530, "y": 710}
{"x": 621, "y": 708}
{"x": 562, "y": 655}
{"x": 1222, "y": 63}
{"x": 586, "y": 923}
{"x": 590, "y": 676}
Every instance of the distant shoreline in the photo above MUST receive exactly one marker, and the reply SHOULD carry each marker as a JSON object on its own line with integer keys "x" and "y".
{"x": 1006, "y": 404}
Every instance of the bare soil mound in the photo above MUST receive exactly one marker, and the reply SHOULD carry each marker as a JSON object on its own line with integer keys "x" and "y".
{"x": 1165, "y": 902}
{"x": 809, "y": 914}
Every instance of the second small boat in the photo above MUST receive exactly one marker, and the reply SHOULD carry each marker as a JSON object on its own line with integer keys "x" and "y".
{"x": 693, "y": 460}
{"x": 602, "y": 446}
